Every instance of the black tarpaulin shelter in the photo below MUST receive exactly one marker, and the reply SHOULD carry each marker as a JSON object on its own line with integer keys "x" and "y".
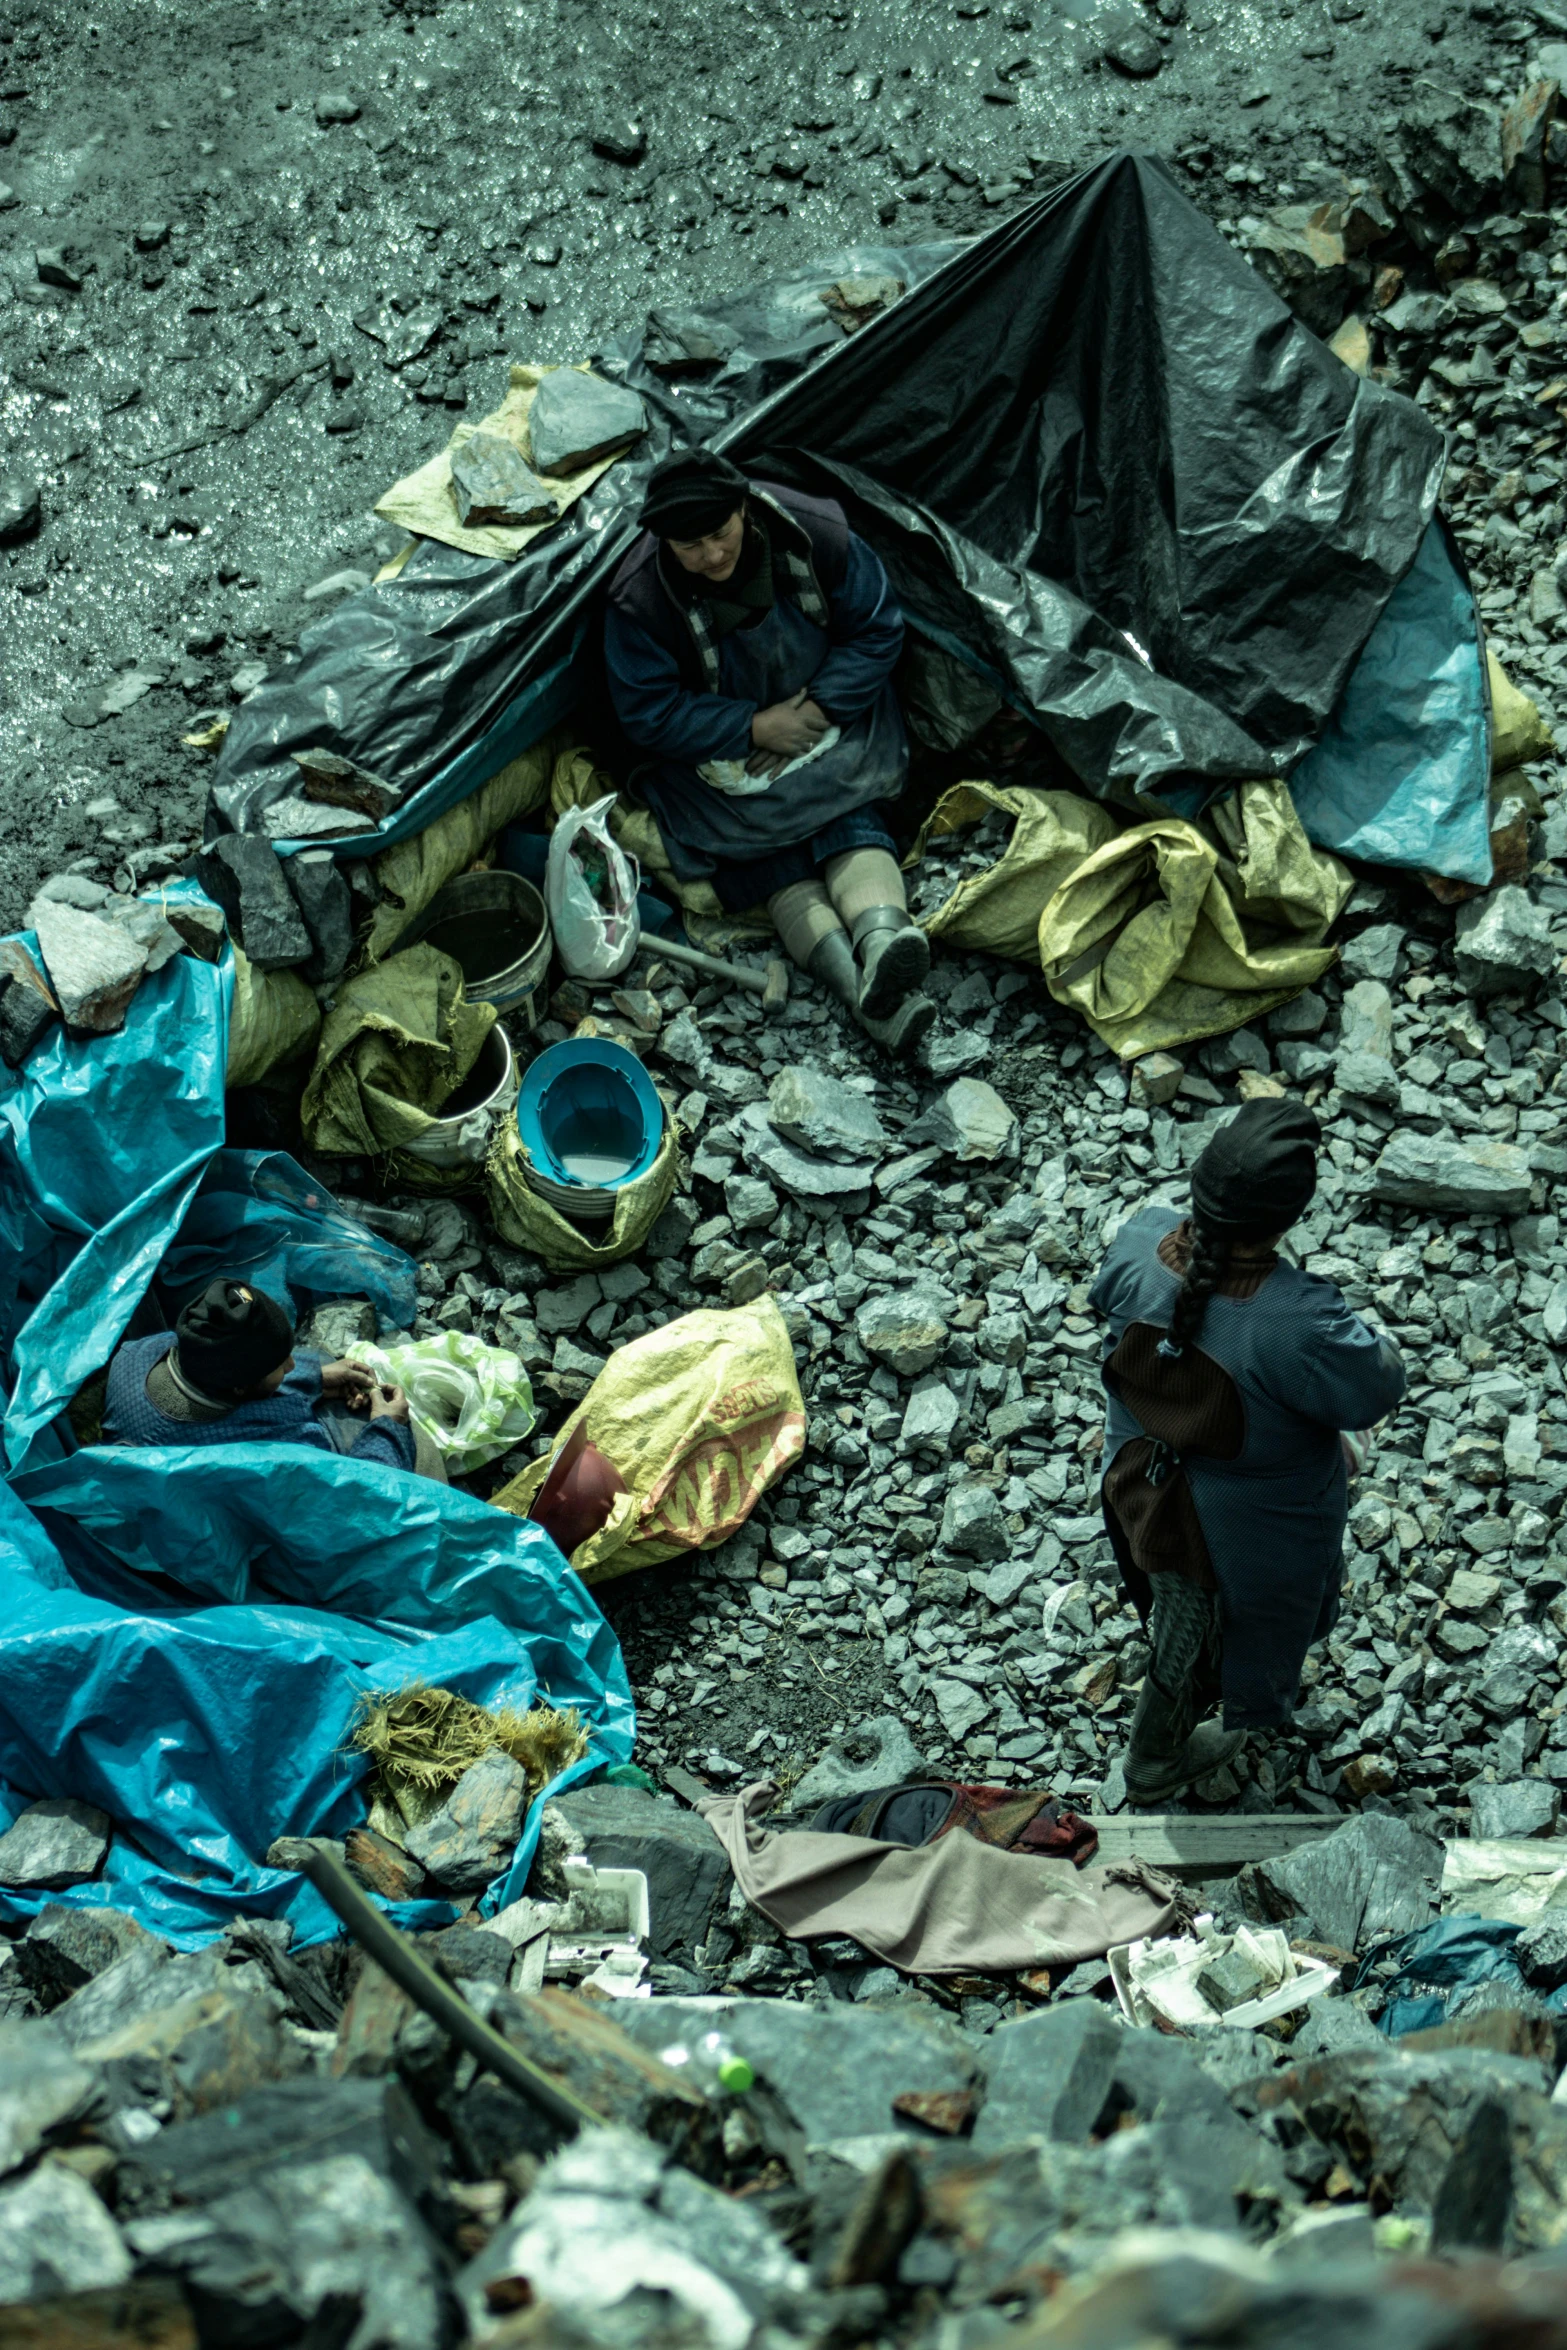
{"x": 1102, "y": 461}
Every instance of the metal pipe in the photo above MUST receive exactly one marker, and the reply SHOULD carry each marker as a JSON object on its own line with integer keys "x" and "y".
{"x": 392, "y": 1952}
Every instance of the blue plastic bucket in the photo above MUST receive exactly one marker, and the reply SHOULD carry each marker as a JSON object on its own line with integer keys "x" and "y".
{"x": 590, "y": 1122}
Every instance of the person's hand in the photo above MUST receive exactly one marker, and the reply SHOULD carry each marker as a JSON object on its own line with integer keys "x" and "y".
{"x": 349, "y": 1380}
{"x": 388, "y": 1403}
{"x": 788, "y": 729}
{"x": 768, "y": 763}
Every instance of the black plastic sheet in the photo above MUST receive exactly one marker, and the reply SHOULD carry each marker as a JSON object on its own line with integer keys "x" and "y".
{"x": 1099, "y": 456}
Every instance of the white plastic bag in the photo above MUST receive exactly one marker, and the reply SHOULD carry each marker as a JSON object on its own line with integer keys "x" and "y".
{"x": 472, "y": 1401}
{"x": 590, "y": 888}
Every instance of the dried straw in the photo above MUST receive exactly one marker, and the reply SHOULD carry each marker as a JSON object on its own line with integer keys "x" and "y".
{"x": 421, "y": 1739}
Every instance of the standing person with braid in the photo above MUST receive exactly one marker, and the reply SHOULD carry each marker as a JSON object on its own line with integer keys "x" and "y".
{"x": 1232, "y": 1378}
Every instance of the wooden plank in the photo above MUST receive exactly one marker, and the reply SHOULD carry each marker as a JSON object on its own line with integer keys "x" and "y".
{"x": 1188, "y": 1843}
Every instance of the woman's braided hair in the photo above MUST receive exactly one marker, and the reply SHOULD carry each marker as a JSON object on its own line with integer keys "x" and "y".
{"x": 1205, "y": 1269}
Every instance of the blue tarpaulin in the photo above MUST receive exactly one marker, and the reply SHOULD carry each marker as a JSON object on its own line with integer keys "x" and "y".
{"x": 185, "y": 1632}
{"x": 1402, "y": 773}
{"x": 1438, "y": 1964}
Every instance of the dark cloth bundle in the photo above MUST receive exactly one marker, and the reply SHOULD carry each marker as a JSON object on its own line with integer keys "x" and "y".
{"x": 923, "y": 1810}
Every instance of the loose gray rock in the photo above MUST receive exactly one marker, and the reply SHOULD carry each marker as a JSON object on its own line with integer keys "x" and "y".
{"x": 474, "y": 1834}
{"x": 1541, "y": 1950}
{"x": 327, "y": 907}
{"x": 1503, "y": 942}
{"x": 295, "y": 818}
{"x": 1050, "y": 2076}
{"x": 65, "y": 1947}
{"x": 878, "y": 1753}
{"x": 493, "y": 483}
{"x": 933, "y": 1413}
{"x": 1453, "y": 1178}
{"x": 797, "y": 1171}
{"x": 1365, "y": 1055}
{"x": 41, "y": 2086}
{"x": 820, "y": 1113}
{"x": 752, "y": 1204}
{"x": 575, "y": 419}
{"x": 1374, "y": 953}
{"x": 245, "y": 877}
{"x": 1374, "y": 1877}
{"x": 336, "y": 106}
{"x": 54, "y": 1843}
{"x": 1515, "y": 1807}
{"x": 905, "y": 1331}
{"x": 56, "y": 2237}
{"x": 970, "y": 1120}
{"x": 21, "y": 510}
{"x": 93, "y": 966}
{"x": 974, "y": 1524}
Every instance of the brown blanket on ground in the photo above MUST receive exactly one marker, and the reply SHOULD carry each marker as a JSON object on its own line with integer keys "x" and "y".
{"x": 953, "y": 1907}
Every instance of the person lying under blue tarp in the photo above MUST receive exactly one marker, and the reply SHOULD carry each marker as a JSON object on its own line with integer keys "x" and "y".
{"x": 228, "y": 1374}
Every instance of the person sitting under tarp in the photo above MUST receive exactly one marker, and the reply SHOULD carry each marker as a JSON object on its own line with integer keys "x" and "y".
{"x": 228, "y": 1374}
{"x": 750, "y": 641}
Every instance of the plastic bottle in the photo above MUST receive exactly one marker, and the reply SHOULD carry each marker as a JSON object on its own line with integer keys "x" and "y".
{"x": 710, "y": 2062}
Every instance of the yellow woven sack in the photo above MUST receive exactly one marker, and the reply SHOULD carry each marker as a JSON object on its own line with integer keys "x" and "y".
{"x": 997, "y": 911}
{"x": 521, "y": 1217}
{"x": 397, "y": 1043}
{"x": 275, "y": 1015}
{"x": 700, "y": 1418}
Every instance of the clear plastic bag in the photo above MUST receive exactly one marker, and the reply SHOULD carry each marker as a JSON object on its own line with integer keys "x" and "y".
{"x": 473, "y": 1401}
{"x": 590, "y": 888}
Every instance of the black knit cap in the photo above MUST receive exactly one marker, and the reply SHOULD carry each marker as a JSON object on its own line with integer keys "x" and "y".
{"x": 230, "y": 1337}
{"x": 1259, "y": 1172}
{"x": 693, "y": 495}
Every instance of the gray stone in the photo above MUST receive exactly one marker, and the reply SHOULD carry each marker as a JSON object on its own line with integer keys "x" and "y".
{"x": 326, "y": 903}
{"x": 905, "y": 1331}
{"x": 144, "y": 924}
{"x": 144, "y": 1979}
{"x": 1302, "y": 1062}
{"x": 1374, "y": 953}
{"x": 342, "y": 783}
{"x": 21, "y": 510}
{"x": 961, "y": 1708}
{"x": 800, "y": 1172}
{"x": 1333, "y": 2025}
{"x": 295, "y": 817}
{"x": 974, "y": 1524}
{"x": 1503, "y": 942}
{"x": 932, "y": 1414}
{"x": 576, "y": 419}
{"x": 245, "y": 877}
{"x": 201, "y": 926}
{"x": 1517, "y": 1807}
{"x": 1156, "y": 1079}
{"x": 26, "y": 1015}
{"x": 336, "y": 106}
{"x": 54, "y": 1843}
{"x": 1050, "y": 2076}
{"x": 970, "y": 1120}
{"x": 1133, "y": 51}
{"x": 1241, "y": 1049}
{"x": 493, "y": 483}
{"x": 620, "y": 138}
{"x": 1376, "y": 1876}
{"x": 820, "y": 1113}
{"x": 41, "y": 2086}
{"x": 1541, "y": 1950}
{"x": 877, "y": 1753}
{"x": 568, "y": 1307}
{"x": 65, "y": 1947}
{"x": 68, "y": 889}
{"x": 752, "y": 1204}
{"x": 469, "y": 1840}
{"x": 686, "y": 1867}
{"x": 53, "y": 264}
{"x": 835, "y": 2070}
{"x": 56, "y": 2238}
{"x": 1365, "y": 1052}
{"x": 93, "y": 966}
{"x": 1453, "y": 1178}
{"x": 1306, "y": 1015}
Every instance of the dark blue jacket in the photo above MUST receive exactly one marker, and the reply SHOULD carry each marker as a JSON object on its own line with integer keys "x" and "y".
{"x": 661, "y": 678}
{"x": 287, "y": 1416}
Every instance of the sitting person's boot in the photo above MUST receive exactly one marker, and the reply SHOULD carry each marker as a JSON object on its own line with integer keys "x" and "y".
{"x": 833, "y": 963}
{"x": 894, "y": 956}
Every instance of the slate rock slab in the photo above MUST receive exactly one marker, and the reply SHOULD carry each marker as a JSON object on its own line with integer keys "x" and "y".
{"x": 973, "y": 1523}
{"x": 575, "y": 419}
{"x": 1050, "y": 2076}
{"x": 1452, "y": 1178}
{"x": 245, "y": 877}
{"x": 94, "y": 966}
{"x": 1515, "y": 1807}
{"x": 969, "y": 1119}
{"x": 686, "y": 1867}
{"x": 492, "y": 482}
{"x": 65, "y": 1947}
{"x": 21, "y": 510}
{"x": 1503, "y": 942}
{"x": 877, "y": 1753}
{"x": 41, "y": 2085}
{"x": 905, "y": 1331}
{"x": 834, "y": 2070}
{"x": 54, "y": 1843}
{"x": 1374, "y": 1877}
{"x": 56, "y": 2237}
{"x": 799, "y": 1171}
{"x": 474, "y": 1833}
{"x": 820, "y": 1113}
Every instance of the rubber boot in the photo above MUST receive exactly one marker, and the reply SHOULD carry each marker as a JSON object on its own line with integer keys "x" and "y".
{"x": 832, "y": 962}
{"x": 894, "y": 958}
{"x": 1158, "y": 1762}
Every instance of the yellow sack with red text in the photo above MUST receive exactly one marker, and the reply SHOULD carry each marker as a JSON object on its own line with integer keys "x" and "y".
{"x": 700, "y": 1418}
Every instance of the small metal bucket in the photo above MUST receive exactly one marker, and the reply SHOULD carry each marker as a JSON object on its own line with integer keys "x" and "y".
{"x": 495, "y": 928}
{"x": 461, "y": 1135}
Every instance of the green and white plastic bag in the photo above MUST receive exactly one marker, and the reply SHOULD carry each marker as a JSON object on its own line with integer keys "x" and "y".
{"x": 473, "y": 1401}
